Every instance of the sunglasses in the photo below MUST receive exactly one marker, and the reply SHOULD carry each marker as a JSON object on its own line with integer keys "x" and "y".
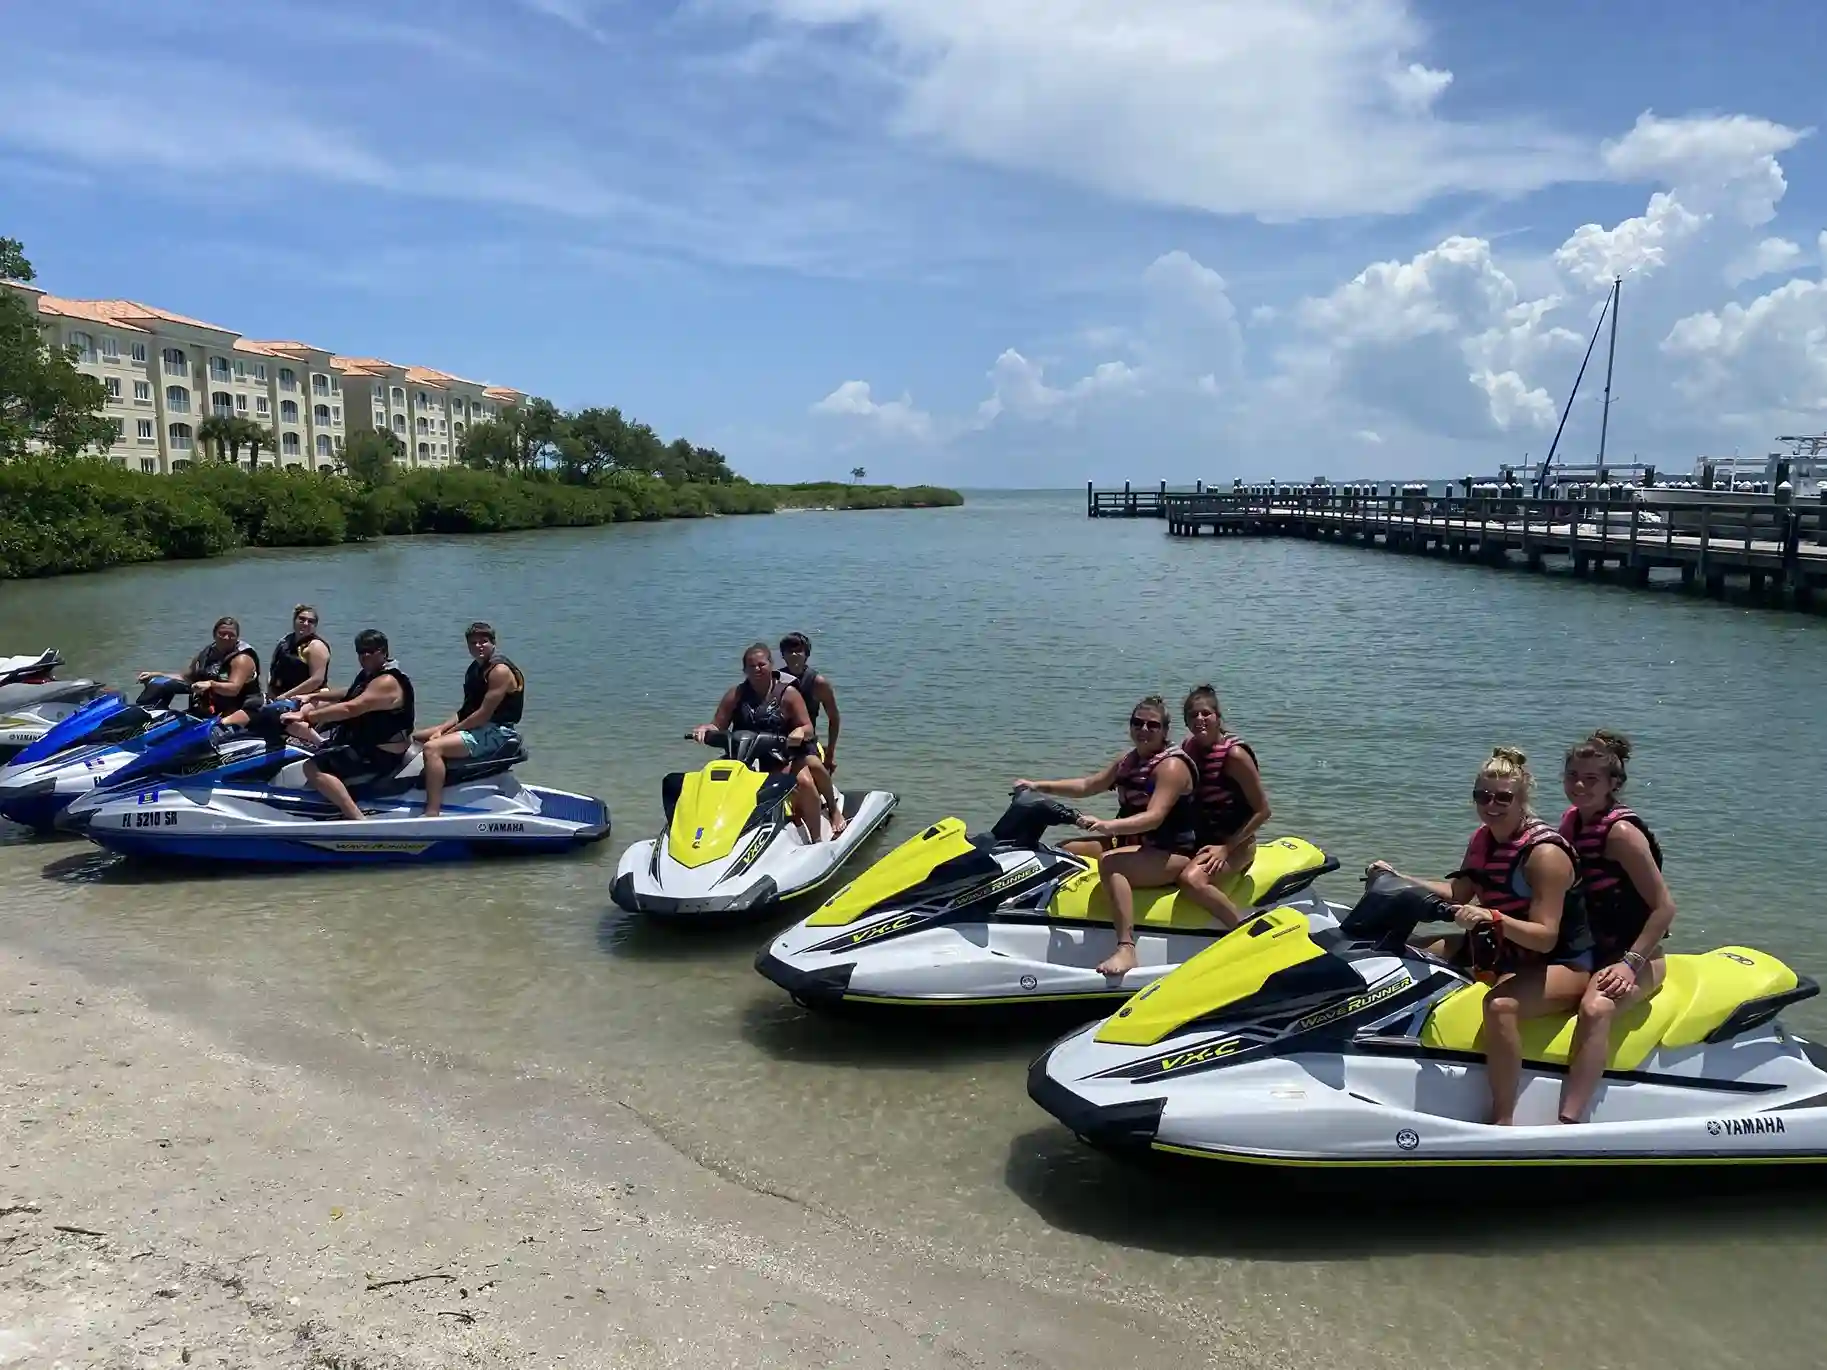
{"x": 1482, "y": 796}
{"x": 1147, "y": 725}
{"x": 306, "y": 619}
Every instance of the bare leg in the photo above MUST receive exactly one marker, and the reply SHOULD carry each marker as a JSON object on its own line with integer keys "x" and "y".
{"x": 1199, "y": 887}
{"x": 827, "y": 792}
{"x": 806, "y": 804}
{"x": 1524, "y": 994}
{"x": 1124, "y": 872}
{"x": 1592, "y": 1040}
{"x": 1091, "y": 848}
{"x": 333, "y": 790}
{"x": 450, "y": 744}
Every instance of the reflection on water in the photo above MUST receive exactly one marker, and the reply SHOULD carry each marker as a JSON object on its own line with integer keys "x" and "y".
{"x": 969, "y": 646}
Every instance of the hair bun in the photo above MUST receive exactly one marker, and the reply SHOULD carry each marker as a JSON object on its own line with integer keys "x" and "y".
{"x": 1615, "y": 743}
{"x": 1511, "y": 754}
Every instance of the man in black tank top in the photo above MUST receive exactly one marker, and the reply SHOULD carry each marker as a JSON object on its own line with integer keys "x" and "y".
{"x": 485, "y": 724}
{"x": 815, "y": 688}
{"x": 373, "y": 719}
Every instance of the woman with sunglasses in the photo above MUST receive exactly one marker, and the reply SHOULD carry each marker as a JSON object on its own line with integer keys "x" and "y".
{"x": 1522, "y": 918}
{"x": 1154, "y": 835}
{"x": 301, "y": 662}
{"x": 1627, "y": 902}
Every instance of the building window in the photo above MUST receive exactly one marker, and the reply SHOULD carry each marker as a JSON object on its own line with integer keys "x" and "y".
{"x": 337, "y": 442}
{"x": 320, "y": 415}
{"x": 288, "y": 411}
{"x": 323, "y": 445}
{"x": 424, "y": 451}
{"x": 139, "y": 352}
{"x": 111, "y": 349}
{"x": 260, "y": 406}
{"x": 320, "y": 383}
{"x": 219, "y": 369}
{"x": 114, "y": 387}
{"x": 443, "y": 448}
{"x": 142, "y": 392}
{"x": 120, "y": 430}
{"x": 336, "y": 385}
{"x": 149, "y": 465}
{"x": 82, "y": 345}
{"x": 222, "y": 404}
{"x": 289, "y": 444}
{"x": 241, "y": 404}
{"x": 173, "y": 357}
{"x": 288, "y": 378}
{"x": 240, "y": 369}
{"x": 145, "y": 430}
{"x": 399, "y": 396}
{"x": 180, "y": 437}
{"x": 336, "y": 413}
{"x": 260, "y": 372}
{"x": 399, "y": 424}
{"x": 177, "y": 399}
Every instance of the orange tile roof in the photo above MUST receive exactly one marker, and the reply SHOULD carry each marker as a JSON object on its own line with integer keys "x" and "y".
{"x": 245, "y": 345}
{"x": 83, "y": 309}
{"x": 132, "y": 309}
{"x": 424, "y": 375}
{"x": 502, "y": 392}
{"x": 287, "y": 348}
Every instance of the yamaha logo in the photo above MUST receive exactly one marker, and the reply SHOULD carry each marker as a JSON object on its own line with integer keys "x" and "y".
{"x": 1029, "y": 982}
{"x": 1408, "y": 1139}
{"x": 1713, "y": 1128}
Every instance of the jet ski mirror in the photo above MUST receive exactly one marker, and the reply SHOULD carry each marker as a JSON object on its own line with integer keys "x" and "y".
{"x": 1030, "y": 813}
{"x": 1390, "y": 909}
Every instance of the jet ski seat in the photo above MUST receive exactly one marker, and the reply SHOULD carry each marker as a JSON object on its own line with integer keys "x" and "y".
{"x": 1287, "y": 863}
{"x": 410, "y": 773}
{"x": 1729, "y": 987}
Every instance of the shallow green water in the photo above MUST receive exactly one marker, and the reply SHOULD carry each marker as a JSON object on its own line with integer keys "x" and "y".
{"x": 969, "y": 646}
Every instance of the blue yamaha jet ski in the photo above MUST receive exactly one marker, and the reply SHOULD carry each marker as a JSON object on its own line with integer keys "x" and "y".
{"x": 262, "y": 811}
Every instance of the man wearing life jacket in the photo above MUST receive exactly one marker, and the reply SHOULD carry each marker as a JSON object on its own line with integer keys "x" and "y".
{"x": 485, "y": 724}
{"x": 301, "y": 662}
{"x": 1523, "y": 922}
{"x": 1627, "y": 902}
{"x": 1154, "y": 835}
{"x": 1229, "y": 800}
{"x": 815, "y": 689}
{"x": 371, "y": 725}
{"x": 223, "y": 679}
{"x": 762, "y": 702}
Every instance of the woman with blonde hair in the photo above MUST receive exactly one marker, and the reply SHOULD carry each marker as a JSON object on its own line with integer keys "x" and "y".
{"x": 1627, "y": 901}
{"x": 1522, "y": 920}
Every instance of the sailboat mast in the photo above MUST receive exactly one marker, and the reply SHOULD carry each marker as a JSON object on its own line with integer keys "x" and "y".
{"x": 1611, "y": 354}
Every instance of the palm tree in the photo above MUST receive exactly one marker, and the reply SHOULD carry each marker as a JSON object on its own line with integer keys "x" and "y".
{"x": 254, "y": 436}
{"x": 857, "y": 473}
{"x": 217, "y": 435}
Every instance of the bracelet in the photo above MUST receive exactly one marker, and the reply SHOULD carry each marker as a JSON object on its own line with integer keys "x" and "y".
{"x": 1636, "y": 960}
{"x": 1126, "y": 942}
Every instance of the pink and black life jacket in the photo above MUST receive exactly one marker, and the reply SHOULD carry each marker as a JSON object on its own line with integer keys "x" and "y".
{"x": 1496, "y": 872}
{"x": 1135, "y": 786}
{"x": 1615, "y": 907}
{"x": 1222, "y": 808}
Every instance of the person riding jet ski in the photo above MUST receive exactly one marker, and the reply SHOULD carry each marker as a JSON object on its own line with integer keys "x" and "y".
{"x": 301, "y": 661}
{"x": 373, "y": 719}
{"x": 764, "y": 703}
{"x": 1231, "y": 804}
{"x": 1627, "y": 904}
{"x": 223, "y": 679}
{"x": 486, "y": 724}
{"x": 1518, "y": 903}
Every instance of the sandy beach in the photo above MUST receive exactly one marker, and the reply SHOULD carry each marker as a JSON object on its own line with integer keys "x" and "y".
{"x": 168, "y": 1199}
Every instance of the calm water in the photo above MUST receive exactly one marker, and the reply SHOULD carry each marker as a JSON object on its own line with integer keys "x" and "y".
{"x": 969, "y": 646}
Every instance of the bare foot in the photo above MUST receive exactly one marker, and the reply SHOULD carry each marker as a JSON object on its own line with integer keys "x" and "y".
{"x": 838, "y": 821}
{"x": 1121, "y": 961}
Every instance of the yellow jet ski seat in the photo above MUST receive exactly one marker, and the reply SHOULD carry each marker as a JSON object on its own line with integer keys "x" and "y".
{"x": 1701, "y": 992}
{"x": 1083, "y": 896}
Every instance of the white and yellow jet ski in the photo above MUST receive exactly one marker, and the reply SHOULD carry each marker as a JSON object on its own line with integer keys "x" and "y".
{"x": 730, "y": 847}
{"x": 951, "y": 921}
{"x": 1296, "y": 1044}
{"x": 33, "y": 700}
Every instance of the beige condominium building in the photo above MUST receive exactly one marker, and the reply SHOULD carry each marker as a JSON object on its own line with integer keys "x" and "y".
{"x": 165, "y": 373}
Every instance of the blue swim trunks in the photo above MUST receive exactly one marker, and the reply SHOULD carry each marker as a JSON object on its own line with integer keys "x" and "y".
{"x": 491, "y": 739}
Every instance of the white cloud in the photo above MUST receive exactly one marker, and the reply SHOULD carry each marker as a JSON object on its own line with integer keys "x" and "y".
{"x": 890, "y": 418}
{"x": 1595, "y": 254}
{"x": 1369, "y": 435}
{"x": 1018, "y": 388}
{"x": 1292, "y": 109}
{"x": 1768, "y": 357}
{"x": 1768, "y": 257}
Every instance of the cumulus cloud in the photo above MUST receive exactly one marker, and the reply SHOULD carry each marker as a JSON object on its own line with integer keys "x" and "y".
{"x": 891, "y": 418}
{"x": 1768, "y": 257}
{"x": 1293, "y": 109}
{"x": 1768, "y": 357}
{"x": 1018, "y": 387}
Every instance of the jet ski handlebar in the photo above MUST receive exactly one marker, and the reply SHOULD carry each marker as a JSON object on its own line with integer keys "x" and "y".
{"x": 1030, "y": 813}
{"x": 740, "y": 745}
{"x": 1391, "y": 908}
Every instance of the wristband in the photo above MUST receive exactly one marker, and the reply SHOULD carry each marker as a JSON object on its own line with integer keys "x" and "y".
{"x": 1636, "y": 960}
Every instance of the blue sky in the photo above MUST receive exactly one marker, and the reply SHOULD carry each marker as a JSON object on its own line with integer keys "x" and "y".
{"x": 988, "y": 242}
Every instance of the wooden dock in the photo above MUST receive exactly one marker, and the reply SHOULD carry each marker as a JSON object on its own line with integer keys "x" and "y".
{"x": 1776, "y": 549}
{"x": 1129, "y": 503}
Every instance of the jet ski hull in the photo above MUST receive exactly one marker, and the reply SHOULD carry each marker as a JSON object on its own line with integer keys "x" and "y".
{"x": 745, "y": 883}
{"x": 28, "y": 712}
{"x": 274, "y": 826}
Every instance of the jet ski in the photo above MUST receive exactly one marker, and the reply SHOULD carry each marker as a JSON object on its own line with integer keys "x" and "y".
{"x": 83, "y": 750}
{"x": 730, "y": 846}
{"x": 1295, "y": 1044}
{"x": 33, "y": 701}
{"x": 1002, "y": 920}
{"x": 240, "y": 812}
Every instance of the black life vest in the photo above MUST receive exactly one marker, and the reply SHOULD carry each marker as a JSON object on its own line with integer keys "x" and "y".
{"x": 807, "y": 685}
{"x": 1615, "y": 907}
{"x": 1222, "y": 806}
{"x": 475, "y": 686}
{"x": 1496, "y": 872}
{"x": 289, "y": 669}
{"x": 762, "y": 715}
{"x": 1135, "y": 786}
{"x": 205, "y": 667}
{"x": 383, "y": 727}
